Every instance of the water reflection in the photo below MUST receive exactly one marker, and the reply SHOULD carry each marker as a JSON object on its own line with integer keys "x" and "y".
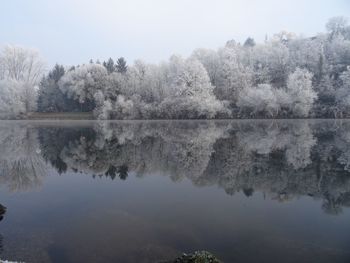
{"x": 2, "y": 213}
{"x": 21, "y": 164}
{"x": 241, "y": 186}
{"x": 282, "y": 159}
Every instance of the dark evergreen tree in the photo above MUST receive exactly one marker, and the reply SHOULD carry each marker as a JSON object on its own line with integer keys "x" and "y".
{"x": 50, "y": 97}
{"x": 250, "y": 42}
{"x": 57, "y": 72}
{"x": 121, "y": 66}
{"x": 109, "y": 65}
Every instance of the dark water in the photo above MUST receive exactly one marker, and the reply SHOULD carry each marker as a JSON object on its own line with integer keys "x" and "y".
{"x": 248, "y": 191}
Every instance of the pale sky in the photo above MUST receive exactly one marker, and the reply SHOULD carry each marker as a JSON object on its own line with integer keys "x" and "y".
{"x": 73, "y": 31}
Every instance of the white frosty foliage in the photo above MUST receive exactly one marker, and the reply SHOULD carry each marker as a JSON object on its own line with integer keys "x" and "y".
{"x": 20, "y": 73}
{"x": 83, "y": 82}
{"x": 300, "y": 90}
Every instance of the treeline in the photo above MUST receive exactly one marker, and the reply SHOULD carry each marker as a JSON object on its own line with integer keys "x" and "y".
{"x": 284, "y": 77}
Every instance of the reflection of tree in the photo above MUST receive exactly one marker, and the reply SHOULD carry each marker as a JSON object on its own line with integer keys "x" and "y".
{"x": 283, "y": 159}
{"x": 122, "y": 172}
{"x": 343, "y": 143}
{"x": 54, "y": 139}
{"x": 1, "y": 244}
{"x": 21, "y": 164}
{"x": 295, "y": 138}
{"x": 182, "y": 148}
{"x": 299, "y": 147}
{"x": 2, "y": 211}
{"x": 111, "y": 172}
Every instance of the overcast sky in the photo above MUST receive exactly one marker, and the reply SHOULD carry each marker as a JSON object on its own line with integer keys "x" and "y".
{"x": 73, "y": 31}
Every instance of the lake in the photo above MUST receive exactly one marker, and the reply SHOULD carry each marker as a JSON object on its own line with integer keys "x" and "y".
{"x": 147, "y": 191}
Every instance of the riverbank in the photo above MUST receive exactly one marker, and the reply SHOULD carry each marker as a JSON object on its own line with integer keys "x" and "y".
{"x": 60, "y": 116}
{"x": 90, "y": 116}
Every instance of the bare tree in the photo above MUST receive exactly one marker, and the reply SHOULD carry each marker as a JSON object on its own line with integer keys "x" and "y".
{"x": 24, "y": 66}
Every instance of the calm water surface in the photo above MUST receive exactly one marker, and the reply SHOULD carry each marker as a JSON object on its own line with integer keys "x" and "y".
{"x": 133, "y": 191}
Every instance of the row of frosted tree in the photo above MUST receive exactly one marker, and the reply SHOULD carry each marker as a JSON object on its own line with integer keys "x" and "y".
{"x": 287, "y": 76}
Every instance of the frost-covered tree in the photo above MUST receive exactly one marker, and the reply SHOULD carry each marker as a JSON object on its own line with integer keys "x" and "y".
{"x": 191, "y": 79}
{"x": 21, "y": 64}
{"x": 116, "y": 84}
{"x": 345, "y": 77}
{"x": 283, "y": 36}
{"x": 259, "y": 101}
{"x": 270, "y": 62}
{"x": 146, "y": 81}
{"x": 343, "y": 93}
{"x": 301, "y": 92}
{"x": 82, "y": 83}
{"x": 191, "y": 91}
{"x": 277, "y": 78}
{"x": 211, "y": 62}
{"x": 308, "y": 53}
{"x": 51, "y": 98}
{"x": 12, "y": 100}
{"x": 234, "y": 75}
{"x": 337, "y": 26}
{"x": 121, "y": 108}
{"x": 25, "y": 68}
{"x": 337, "y": 53}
